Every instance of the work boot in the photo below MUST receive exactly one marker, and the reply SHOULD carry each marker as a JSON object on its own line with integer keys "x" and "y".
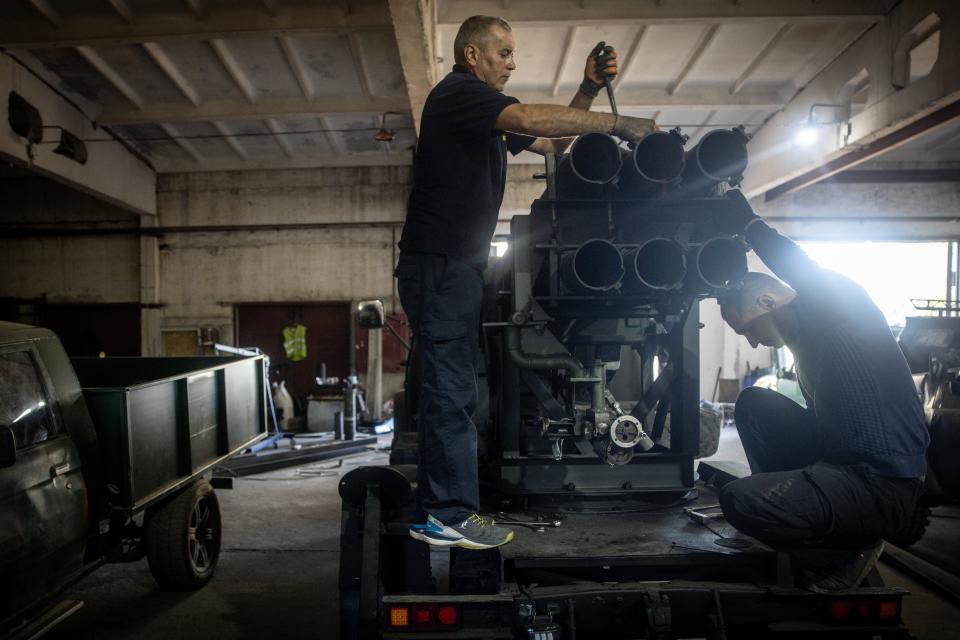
{"x": 473, "y": 533}
{"x": 832, "y": 573}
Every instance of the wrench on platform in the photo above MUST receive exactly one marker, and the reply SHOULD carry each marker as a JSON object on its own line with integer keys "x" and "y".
{"x": 537, "y": 525}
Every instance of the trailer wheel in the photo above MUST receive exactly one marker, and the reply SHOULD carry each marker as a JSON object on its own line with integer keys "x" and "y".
{"x": 183, "y": 539}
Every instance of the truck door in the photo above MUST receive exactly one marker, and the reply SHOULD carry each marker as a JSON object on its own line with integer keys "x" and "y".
{"x": 43, "y": 526}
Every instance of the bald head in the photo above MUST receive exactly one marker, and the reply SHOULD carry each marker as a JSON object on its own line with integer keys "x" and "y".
{"x": 752, "y": 309}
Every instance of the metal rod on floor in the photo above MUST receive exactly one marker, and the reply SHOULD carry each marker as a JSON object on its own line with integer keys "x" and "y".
{"x": 933, "y": 576}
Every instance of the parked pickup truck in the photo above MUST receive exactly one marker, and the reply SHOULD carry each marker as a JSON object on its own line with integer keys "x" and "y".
{"x": 102, "y": 459}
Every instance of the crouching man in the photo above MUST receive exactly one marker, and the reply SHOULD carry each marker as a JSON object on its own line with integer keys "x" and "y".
{"x": 832, "y": 480}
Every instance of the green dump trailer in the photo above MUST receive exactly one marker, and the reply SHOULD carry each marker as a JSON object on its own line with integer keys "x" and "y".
{"x": 104, "y": 459}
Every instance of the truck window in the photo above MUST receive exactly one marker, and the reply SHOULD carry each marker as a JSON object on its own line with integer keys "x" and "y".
{"x": 24, "y": 406}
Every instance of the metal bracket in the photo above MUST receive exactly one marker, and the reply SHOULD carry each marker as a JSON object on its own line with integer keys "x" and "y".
{"x": 551, "y": 175}
{"x": 659, "y": 614}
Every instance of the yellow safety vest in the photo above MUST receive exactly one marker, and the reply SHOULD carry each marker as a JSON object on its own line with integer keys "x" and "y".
{"x": 295, "y": 342}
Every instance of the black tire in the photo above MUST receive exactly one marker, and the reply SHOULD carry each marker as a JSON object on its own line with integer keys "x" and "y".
{"x": 183, "y": 539}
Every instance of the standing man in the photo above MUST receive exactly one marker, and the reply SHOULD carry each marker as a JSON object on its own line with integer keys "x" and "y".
{"x": 467, "y": 127}
{"x": 832, "y": 480}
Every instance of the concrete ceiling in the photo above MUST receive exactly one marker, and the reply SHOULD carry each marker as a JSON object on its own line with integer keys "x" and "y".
{"x": 214, "y": 84}
{"x": 697, "y": 70}
{"x": 234, "y": 84}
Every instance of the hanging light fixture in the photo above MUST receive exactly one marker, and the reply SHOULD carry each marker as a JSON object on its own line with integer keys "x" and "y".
{"x": 384, "y": 134}
{"x": 70, "y": 146}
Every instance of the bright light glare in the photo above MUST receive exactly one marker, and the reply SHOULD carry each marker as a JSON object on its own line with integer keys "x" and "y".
{"x": 499, "y": 248}
{"x": 891, "y": 272}
{"x": 806, "y": 136}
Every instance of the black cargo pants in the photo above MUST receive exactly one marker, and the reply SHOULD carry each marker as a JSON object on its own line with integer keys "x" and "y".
{"x": 794, "y": 498}
{"x": 441, "y": 297}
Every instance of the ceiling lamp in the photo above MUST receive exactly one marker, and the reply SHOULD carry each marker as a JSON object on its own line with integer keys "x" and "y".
{"x": 24, "y": 118}
{"x": 385, "y": 135}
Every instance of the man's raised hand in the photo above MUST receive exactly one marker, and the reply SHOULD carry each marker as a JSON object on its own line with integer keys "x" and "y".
{"x": 595, "y": 72}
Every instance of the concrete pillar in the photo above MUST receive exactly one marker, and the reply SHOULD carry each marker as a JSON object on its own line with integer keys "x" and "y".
{"x": 375, "y": 373}
{"x": 150, "y": 313}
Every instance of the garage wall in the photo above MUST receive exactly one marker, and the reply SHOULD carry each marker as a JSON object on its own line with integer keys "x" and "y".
{"x": 203, "y": 274}
{"x": 77, "y": 269}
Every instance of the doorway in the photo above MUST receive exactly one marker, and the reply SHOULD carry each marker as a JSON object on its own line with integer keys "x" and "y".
{"x": 328, "y": 327}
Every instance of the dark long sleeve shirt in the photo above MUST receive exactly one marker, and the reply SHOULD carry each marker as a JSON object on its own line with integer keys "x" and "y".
{"x": 850, "y": 368}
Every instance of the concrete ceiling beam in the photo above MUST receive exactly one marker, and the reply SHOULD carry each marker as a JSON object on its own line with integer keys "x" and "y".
{"x": 122, "y": 9}
{"x": 184, "y": 144}
{"x": 703, "y": 42}
{"x": 890, "y": 117}
{"x": 230, "y": 139}
{"x": 866, "y": 210}
{"x": 112, "y": 172}
{"x": 197, "y": 23}
{"x": 232, "y": 66}
{"x": 295, "y": 62}
{"x": 47, "y": 10}
{"x": 692, "y": 99}
{"x": 196, "y": 8}
{"x": 301, "y": 161}
{"x": 239, "y": 109}
{"x": 629, "y": 60}
{"x": 360, "y": 64}
{"x": 760, "y": 57}
{"x": 415, "y": 32}
{"x": 564, "y": 60}
{"x": 272, "y": 7}
{"x": 280, "y": 136}
{"x": 160, "y": 57}
{"x": 333, "y": 141}
{"x": 703, "y": 125}
{"x": 601, "y": 12}
{"x": 112, "y": 76}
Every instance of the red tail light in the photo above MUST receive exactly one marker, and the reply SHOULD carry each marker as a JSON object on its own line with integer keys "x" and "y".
{"x": 889, "y": 611}
{"x": 447, "y": 615}
{"x": 840, "y": 610}
{"x": 864, "y": 610}
{"x": 423, "y": 615}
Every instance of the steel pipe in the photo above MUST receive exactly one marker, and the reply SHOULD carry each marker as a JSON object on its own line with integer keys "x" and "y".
{"x": 523, "y": 360}
{"x": 594, "y": 161}
{"x": 657, "y": 264}
{"x": 720, "y": 156}
{"x": 594, "y": 267}
{"x": 657, "y": 159}
{"x": 721, "y": 262}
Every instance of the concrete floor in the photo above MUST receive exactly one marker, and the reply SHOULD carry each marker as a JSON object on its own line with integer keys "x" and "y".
{"x": 277, "y": 576}
{"x": 928, "y": 615}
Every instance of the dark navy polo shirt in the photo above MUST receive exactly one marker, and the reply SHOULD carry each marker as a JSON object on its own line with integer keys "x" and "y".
{"x": 460, "y": 169}
{"x": 850, "y": 367}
